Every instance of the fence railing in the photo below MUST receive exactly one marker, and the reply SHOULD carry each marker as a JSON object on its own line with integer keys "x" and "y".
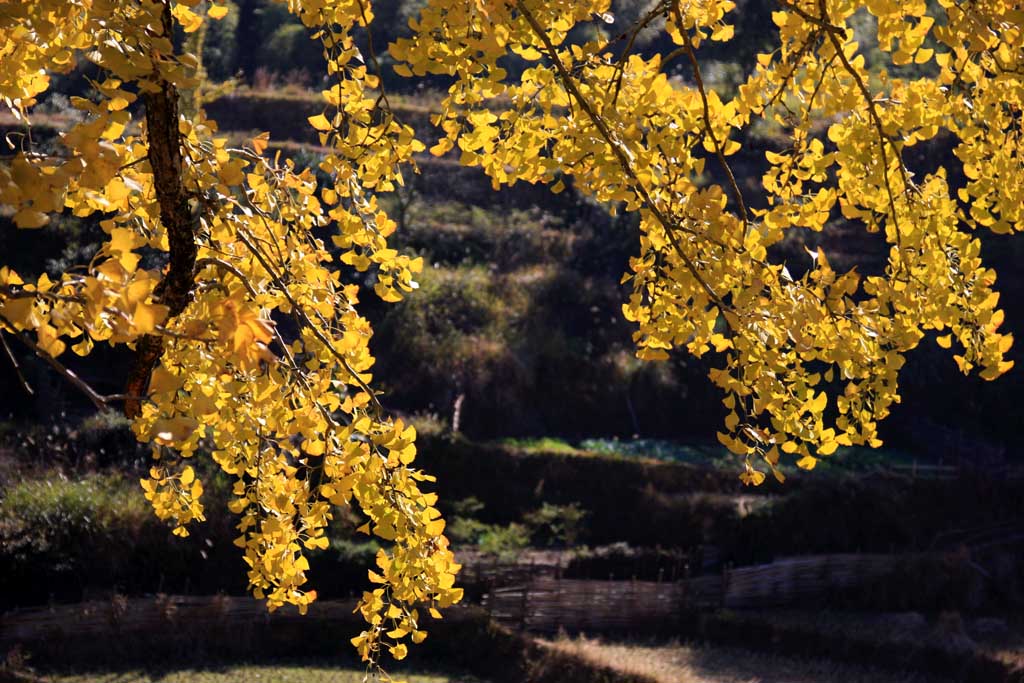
{"x": 543, "y": 604}
{"x": 549, "y": 603}
{"x": 106, "y": 618}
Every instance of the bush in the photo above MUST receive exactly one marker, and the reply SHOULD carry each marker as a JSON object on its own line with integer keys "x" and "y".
{"x": 560, "y": 525}
{"x": 503, "y": 541}
{"x": 67, "y": 540}
{"x": 623, "y": 561}
{"x": 290, "y": 45}
{"x": 64, "y": 540}
{"x": 454, "y": 331}
{"x": 59, "y": 536}
{"x": 61, "y": 517}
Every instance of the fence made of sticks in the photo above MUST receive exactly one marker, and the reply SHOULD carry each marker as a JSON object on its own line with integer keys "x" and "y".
{"x": 542, "y": 604}
{"x": 103, "y": 619}
{"x": 548, "y": 604}
{"x": 790, "y": 580}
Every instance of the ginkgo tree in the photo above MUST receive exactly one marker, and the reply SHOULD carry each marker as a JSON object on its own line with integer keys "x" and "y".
{"x": 248, "y": 346}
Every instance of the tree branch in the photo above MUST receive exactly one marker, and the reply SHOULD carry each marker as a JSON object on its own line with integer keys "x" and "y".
{"x": 620, "y": 155}
{"x": 876, "y": 120}
{"x": 17, "y": 368}
{"x": 719, "y": 153}
{"x": 175, "y": 289}
{"x": 100, "y": 401}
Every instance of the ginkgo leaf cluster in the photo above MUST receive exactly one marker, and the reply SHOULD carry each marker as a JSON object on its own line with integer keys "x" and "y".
{"x": 809, "y": 363}
{"x": 250, "y": 347}
{"x": 259, "y": 355}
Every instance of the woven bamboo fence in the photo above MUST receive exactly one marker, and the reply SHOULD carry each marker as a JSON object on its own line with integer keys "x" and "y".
{"x": 547, "y": 604}
{"x": 790, "y": 580}
{"x": 542, "y": 604}
{"x": 108, "y": 618}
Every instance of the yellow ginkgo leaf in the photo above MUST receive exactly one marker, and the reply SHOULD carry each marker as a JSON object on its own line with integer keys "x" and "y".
{"x": 169, "y": 431}
{"x": 319, "y": 122}
{"x": 29, "y": 218}
{"x": 189, "y": 20}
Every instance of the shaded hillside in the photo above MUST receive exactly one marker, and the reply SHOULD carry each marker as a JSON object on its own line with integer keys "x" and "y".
{"x": 517, "y": 328}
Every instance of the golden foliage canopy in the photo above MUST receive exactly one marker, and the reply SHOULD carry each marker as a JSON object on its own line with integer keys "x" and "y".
{"x": 248, "y": 345}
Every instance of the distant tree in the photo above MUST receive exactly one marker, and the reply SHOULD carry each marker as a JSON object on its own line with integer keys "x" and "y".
{"x": 221, "y": 268}
{"x": 220, "y": 45}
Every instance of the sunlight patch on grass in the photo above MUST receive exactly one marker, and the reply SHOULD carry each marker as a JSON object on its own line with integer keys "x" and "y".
{"x": 545, "y": 444}
{"x": 292, "y": 673}
{"x": 674, "y": 662}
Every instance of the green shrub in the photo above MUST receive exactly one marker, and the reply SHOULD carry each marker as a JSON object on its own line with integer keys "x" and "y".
{"x": 62, "y": 539}
{"x": 497, "y": 539}
{"x": 504, "y": 541}
{"x": 556, "y": 524}
{"x": 454, "y": 331}
{"x": 60, "y": 518}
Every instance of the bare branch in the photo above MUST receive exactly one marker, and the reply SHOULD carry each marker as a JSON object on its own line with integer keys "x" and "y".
{"x": 17, "y": 368}
{"x": 97, "y": 399}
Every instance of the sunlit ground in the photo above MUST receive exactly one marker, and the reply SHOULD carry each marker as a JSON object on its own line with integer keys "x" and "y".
{"x": 687, "y": 663}
{"x": 292, "y": 673}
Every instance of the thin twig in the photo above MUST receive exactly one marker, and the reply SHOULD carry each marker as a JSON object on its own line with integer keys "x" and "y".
{"x": 298, "y": 310}
{"x": 719, "y": 153}
{"x": 811, "y": 19}
{"x": 98, "y": 400}
{"x": 19, "y": 292}
{"x": 873, "y": 115}
{"x": 17, "y": 368}
{"x": 620, "y": 64}
{"x": 224, "y": 265}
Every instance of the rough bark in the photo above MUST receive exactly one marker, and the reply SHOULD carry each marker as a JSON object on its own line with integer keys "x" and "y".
{"x": 175, "y": 289}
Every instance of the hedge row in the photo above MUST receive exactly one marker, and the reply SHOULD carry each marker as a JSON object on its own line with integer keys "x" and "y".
{"x": 465, "y": 640}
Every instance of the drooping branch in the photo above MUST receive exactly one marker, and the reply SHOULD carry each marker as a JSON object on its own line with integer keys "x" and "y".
{"x": 666, "y": 222}
{"x": 175, "y": 290}
{"x": 14, "y": 364}
{"x": 741, "y": 206}
{"x": 876, "y": 120}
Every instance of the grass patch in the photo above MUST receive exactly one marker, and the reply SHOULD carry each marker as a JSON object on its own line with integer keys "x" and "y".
{"x": 710, "y": 454}
{"x": 262, "y": 673}
{"x": 44, "y": 514}
{"x": 546, "y": 444}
